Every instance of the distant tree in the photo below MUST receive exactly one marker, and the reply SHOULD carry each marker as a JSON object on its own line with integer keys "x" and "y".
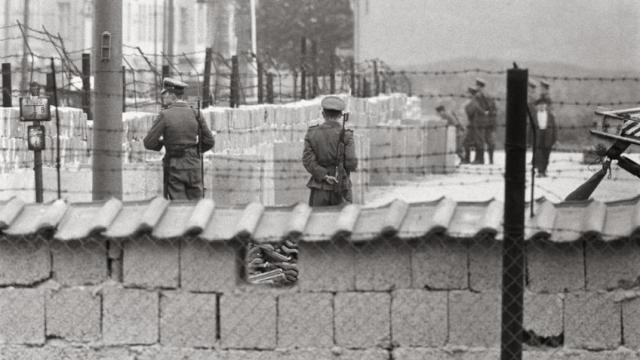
{"x": 282, "y": 23}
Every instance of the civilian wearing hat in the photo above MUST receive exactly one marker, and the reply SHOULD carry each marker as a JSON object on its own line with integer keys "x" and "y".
{"x": 546, "y": 136}
{"x": 486, "y": 123}
{"x": 177, "y": 128}
{"x": 544, "y": 93}
{"x": 320, "y": 155}
{"x": 452, "y": 120}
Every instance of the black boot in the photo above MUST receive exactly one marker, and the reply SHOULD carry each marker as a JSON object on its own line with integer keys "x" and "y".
{"x": 479, "y": 160}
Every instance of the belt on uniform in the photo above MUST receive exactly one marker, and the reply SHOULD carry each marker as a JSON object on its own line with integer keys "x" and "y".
{"x": 178, "y": 150}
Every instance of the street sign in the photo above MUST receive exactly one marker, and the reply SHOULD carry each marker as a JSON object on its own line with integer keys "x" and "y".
{"x": 35, "y": 137}
{"x": 34, "y": 108}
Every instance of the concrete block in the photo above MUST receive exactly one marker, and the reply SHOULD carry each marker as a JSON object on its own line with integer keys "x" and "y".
{"x": 188, "y": 320}
{"x": 326, "y": 266}
{"x": 631, "y": 323}
{"x": 383, "y": 265}
{"x": 79, "y": 262}
{"x": 612, "y": 265}
{"x": 24, "y": 261}
{"x": 130, "y": 317}
{"x": 368, "y": 354}
{"x": 441, "y": 264}
{"x": 248, "y": 321}
{"x": 362, "y": 320}
{"x": 419, "y": 318}
{"x": 543, "y": 314}
{"x": 22, "y": 318}
{"x": 592, "y": 321}
{"x": 485, "y": 265}
{"x": 554, "y": 268}
{"x": 474, "y": 319}
{"x": 208, "y": 267}
{"x": 252, "y": 355}
{"x": 74, "y": 315}
{"x": 570, "y": 354}
{"x": 404, "y": 353}
{"x": 305, "y": 320}
{"x": 173, "y": 353}
{"x": 151, "y": 263}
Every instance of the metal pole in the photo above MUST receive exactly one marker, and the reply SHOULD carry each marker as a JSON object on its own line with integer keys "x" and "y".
{"x": 6, "y": 84}
{"x": 107, "y": 129}
{"x": 353, "y": 78}
{"x": 55, "y": 103}
{"x": 206, "y": 92}
{"x": 25, "y": 47}
{"x": 295, "y": 85}
{"x": 260, "y": 84}
{"x": 86, "y": 85}
{"x": 124, "y": 89}
{"x": 37, "y": 170}
{"x": 376, "y": 78}
{"x": 332, "y": 74}
{"x": 514, "y": 211}
{"x": 235, "y": 83}
{"x": 314, "y": 55}
{"x": 270, "y": 97}
{"x": 303, "y": 71}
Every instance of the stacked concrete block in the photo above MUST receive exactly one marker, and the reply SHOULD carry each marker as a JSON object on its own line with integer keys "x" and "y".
{"x": 631, "y": 322}
{"x": 555, "y": 267}
{"x": 248, "y": 321}
{"x": 326, "y": 266}
{"x": 130, "y": 316}
{"x": 380, "y": 155}
{"x": 188, "y": 320}
{"x": 79, "y": 262}
{"x": 305, "y": 320}
{"x": 435, "y": 146}
{"x": 440, "y": 263}
{"x": 362, "y": 320}
{"x": 474, "y": 319}
{"x": 485, "y": 265}
{"x": 208, "y": 267}
{"x": 290, "y": 177}
{"x": 383, "y": 265}
{"x": 419, "y": 318}
{"x": 612, "y": 265}
{"x": 151, "y": 263}
{"x": 543, "y": 314}
{"x": 24, "y": 261}
{"x": 592, "y": 321}
{"x": 74, "y": 315}
{"x": 421, "y": 353}
{"x": 22, "y": 319}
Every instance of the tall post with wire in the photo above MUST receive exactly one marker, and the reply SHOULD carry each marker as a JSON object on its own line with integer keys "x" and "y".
{"x": 303, "y": 68}
{"x": 513, "y": 254}
{"x": 107, "y": 128}
{"x": 55, "y": 103}
{"x": 206, "y": 92}
{"x": 86, "y": 85}
{"x": 6, "y": 85}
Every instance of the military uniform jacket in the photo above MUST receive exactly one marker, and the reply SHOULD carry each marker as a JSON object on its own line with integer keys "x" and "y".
{"x": 489, "y": 111}
{"x": 474, "y": 113}
{"x": 177, "y": 128}
{"x": 320, "y": 155}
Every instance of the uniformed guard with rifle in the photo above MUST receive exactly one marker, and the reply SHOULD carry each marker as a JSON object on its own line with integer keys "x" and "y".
{"x": 185, "y": 137}
{"x": 329, "y": 156}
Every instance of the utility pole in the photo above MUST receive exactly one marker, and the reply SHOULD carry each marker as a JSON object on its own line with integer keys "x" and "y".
{"x": 25, "y": 48}
{"x": 107, "y": 127}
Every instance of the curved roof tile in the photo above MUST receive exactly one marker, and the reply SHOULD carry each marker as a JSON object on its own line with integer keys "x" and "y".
{"x": 565, "y": 222}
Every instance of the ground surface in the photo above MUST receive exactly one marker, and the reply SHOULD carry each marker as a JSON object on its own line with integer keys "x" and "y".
{"x": 468, "y": 183}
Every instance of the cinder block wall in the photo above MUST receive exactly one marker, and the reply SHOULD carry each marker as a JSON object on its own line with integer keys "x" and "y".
{"x": 435, "y": 298}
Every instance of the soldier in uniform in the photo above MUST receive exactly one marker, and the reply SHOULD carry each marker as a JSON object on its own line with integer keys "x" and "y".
{"x": 452, "y": 120}
{"x": 544, "y": 93}
{"x": 471, "y": 139}
{"x": 486, "y": 124}
{"x": 320, "y": 156}
{"x": 177, "y": 129}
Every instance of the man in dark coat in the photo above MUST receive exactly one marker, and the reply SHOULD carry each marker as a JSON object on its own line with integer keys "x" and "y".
{"x": 546, "y": 136}
{"x": 320, "y": 156}
{"x": 487, "y": 122}
{"x": 177, "y": 129}
{"x": 472, "y": 138}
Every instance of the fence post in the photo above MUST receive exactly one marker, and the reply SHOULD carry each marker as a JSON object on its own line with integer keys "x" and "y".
{"x": 124, "y": 89}
{"x": 206, "y": 92}
{"x": 314, "y": 57}
{"x": 514, "y": 211}
{"x": 235, "y": 83}
{"x": 332, "y": 74}
{"x": 303, "y": 70}
{"x": 49, "y": 85}
{"x": 295, "y": 85}
{"x": 353, "y": 78}
{"x": 86, "y": 85}
{"x": 376, "y": 78}
{"x": 270, "y": 97}
{"x": 6, "y": 84}
{"x": 260, "y": 83}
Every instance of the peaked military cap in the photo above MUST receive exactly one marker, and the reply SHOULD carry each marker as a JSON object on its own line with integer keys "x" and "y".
{"x": 480, "y": 82}
{"x": 173, "y": 85}
{"x": 544, "y": 84}
{"x": 333, "y": 103}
